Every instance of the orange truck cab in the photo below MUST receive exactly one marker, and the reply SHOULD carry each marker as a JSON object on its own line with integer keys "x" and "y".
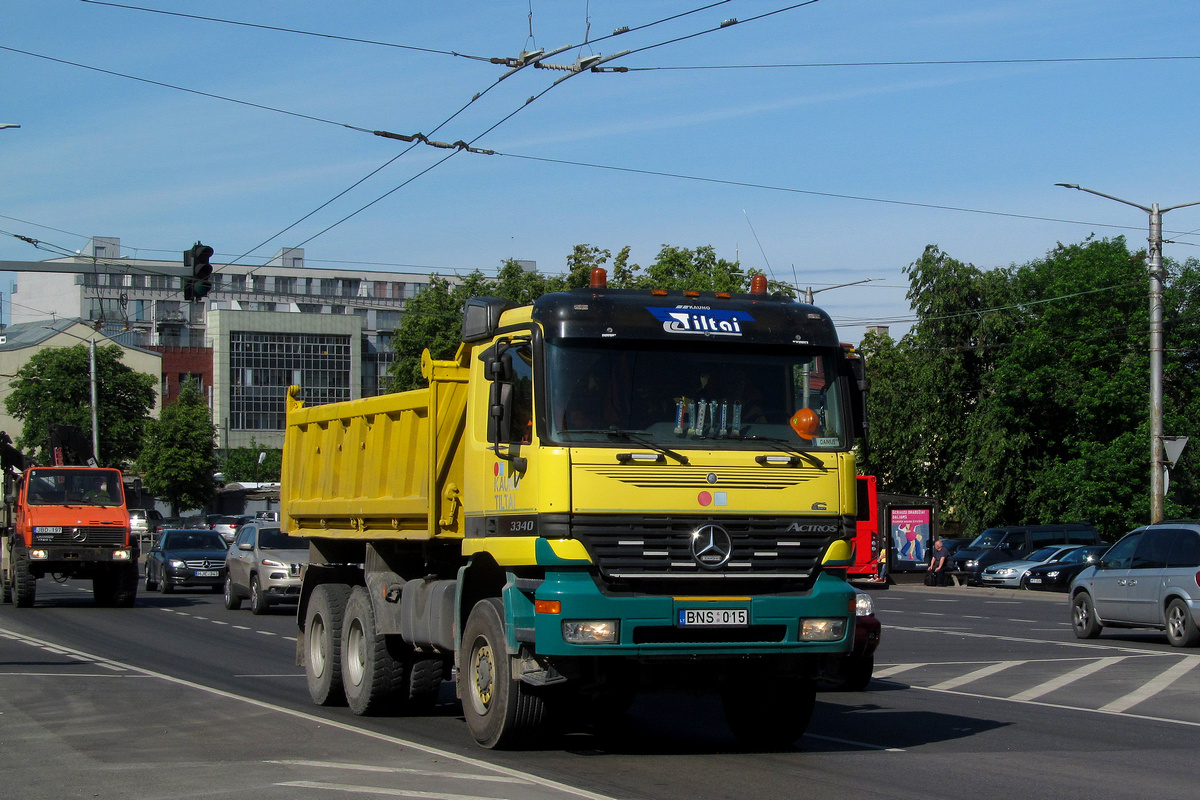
{"x": 70, "y": 522}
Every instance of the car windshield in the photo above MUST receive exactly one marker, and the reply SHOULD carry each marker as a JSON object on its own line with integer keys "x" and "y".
{"x": 75, "y": 487}
{"x": 988, "y": 540}
{"x": 1080, "y": 555}
{"x": 275, "y": 539}
{"x": 1045, "y": 554}
{"x": 193, "y": 540}
{"x": 663, "y": 394}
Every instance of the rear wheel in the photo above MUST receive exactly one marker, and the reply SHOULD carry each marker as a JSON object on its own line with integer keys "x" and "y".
{"x": 371, "y": 673}
{"x": 501, "y": 712}
{"x": 1083, "y": 617}
{"x": 425, "y": 676}
{"x": 323, "y": 643}
{"x": 1181, "y": 628}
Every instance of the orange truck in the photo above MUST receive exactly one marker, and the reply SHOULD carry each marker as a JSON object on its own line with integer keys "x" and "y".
{"x": 67, "y": 522}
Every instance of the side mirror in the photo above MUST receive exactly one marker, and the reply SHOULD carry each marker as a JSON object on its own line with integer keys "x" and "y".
{"x": 245, "y": 546}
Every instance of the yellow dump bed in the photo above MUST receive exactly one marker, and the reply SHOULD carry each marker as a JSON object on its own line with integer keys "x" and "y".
{"x": 387, "y": 467}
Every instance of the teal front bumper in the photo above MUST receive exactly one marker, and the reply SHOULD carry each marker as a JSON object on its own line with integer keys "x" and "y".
{"x": 653, "y": 625}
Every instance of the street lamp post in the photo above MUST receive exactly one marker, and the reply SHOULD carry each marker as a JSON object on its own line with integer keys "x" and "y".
{"x": 1154, "y": 263}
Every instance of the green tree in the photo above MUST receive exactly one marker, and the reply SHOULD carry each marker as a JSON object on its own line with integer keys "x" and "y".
{"x": 54, "y": 386}
{"x": 243, "y": 464}
{"x": 179, "y": 459}
{"x": 1021, "y": 394}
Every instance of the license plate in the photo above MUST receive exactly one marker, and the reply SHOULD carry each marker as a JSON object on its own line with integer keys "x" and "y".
{"x": 207, "y": 573}
{"x": 1035, "y": 580}
{"x": 713, "y": 617}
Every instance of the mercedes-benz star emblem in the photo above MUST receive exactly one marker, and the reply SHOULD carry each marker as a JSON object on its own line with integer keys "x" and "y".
{"x": 79, "y": 535}
{"x": 711, "y": 546}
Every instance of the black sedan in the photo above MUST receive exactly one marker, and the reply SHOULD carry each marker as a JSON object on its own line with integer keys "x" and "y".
{"x": 186, "y": 558}
{"x": 1057, "y": 577}
{"x": 852, "y": 672}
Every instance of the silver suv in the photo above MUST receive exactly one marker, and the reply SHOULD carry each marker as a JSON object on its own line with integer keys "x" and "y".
{"x": 1149, "y": 579}
{"x": 264, "y": 566}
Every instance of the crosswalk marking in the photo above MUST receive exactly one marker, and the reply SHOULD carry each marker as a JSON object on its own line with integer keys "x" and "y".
{"x": 1153, "y": 686}
{"x": 1067, "y": 678}
{"x": 984, "y": 672}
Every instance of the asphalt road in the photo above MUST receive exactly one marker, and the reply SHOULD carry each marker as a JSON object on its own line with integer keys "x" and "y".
{"x": 978, "y": 692}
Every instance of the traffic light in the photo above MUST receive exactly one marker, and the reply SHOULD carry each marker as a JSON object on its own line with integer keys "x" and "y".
{"x": 196, "y": 286}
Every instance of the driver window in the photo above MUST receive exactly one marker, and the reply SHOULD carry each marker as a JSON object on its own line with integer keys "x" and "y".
{"x": 1121, "y": 554}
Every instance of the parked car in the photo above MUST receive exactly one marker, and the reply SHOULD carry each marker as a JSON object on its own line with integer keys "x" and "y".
{"x": 264, "y": 566}
{"x": 1145, "y": 580}
{"x": 1008, "y": 544}
{"x": 186, "y": 558}
{"x": 852, "y": 671}
{"x": 227, "y": 524}
{"x": 140, "y": 520}
{"x": 1013, "y": 574}
{"x": 1057, "y": 577}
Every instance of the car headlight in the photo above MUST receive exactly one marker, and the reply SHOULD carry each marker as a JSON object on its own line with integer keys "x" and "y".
{"x": 1006, "y": 572}
{"x": 266, "y": 562}
{"x": 864, "y": 604}
{"x": 1052, "y": 574}
{"x": 972, "y": 564}
{"x": 175, "y": 563}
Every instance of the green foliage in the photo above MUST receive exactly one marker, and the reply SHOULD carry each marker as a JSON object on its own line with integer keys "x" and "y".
{"x": 1021, "y": 394}
{"x": 178, "y": 458}
{"x": 241, "y": 464}
{"x": 54, "y": 386}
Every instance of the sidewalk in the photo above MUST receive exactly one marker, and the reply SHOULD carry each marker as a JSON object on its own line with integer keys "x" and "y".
{"x": 914, "y": 582}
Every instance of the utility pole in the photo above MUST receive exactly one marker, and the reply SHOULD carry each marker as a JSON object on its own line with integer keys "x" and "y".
{"x": 1154, "y": 264}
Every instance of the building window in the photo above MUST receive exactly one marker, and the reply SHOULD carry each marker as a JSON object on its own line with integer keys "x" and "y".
{"x": 263, "y": 365}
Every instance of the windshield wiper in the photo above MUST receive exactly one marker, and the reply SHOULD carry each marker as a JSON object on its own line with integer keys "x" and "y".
{"x": 784, "y": 446}
{"x": 630, "y": 436}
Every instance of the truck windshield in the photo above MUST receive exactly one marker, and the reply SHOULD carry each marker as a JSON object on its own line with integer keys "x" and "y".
{"x": 79, "y": 487}
{"x": 702, "y": 397}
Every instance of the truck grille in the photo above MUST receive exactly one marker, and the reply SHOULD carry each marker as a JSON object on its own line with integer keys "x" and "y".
{"x": 92, "y": 536}
{"x": 653, "y": 547}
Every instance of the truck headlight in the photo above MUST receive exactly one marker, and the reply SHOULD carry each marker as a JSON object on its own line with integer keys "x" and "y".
{"x": 822, "y": 630}
{"x": 590, "y": 631}
{"x": 120, "y": 555}
{"x": 38, "y": 555}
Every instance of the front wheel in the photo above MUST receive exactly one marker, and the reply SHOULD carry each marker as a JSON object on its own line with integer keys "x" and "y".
{"x": 24, "y": 584}
{"x": 258, "y": 599}
{"x": 323, "y": 643}
{"x": 1181, "y": 628}
{"x": 232, "y": 601}
{"x": 1083, "y": 617}
{"x": 501, "y": 712}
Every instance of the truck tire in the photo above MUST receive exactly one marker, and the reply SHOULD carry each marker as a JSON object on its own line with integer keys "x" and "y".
{"x": 127, "y": 585}
{"x": 6, "y": 591}
{"x": 323, "y": 643}
{"x": 500, "y": 711}
{"x": 24, "y": 585}
{"x": 769, "y": 716}
{"x": 104, "y": 587}
{"x": 425, "y": 676}
{"x": 232, "y": 601}
{"x": 371, "y": 673}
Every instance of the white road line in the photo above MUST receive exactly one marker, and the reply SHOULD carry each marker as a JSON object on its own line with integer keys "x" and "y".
{"x": 992, "y": 669}
{"x": 342, "y": 787}
{"x": 439, "y": 753}
{"x": 853, "y": 743}
{"x": 399, "y": 770}
{"x": 1154, "y": 686}
{"x": 1067, "y": 678}
{"x": 895, "y": 669}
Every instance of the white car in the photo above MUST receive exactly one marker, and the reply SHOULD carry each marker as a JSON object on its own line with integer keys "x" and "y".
{"x": 1013, "y": 574}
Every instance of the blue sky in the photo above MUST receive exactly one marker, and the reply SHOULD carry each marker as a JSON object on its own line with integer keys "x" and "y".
{"x": 837, "y": 158}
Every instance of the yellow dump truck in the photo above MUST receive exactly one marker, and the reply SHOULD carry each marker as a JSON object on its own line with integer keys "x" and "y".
{"x": 603, "y": 493}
